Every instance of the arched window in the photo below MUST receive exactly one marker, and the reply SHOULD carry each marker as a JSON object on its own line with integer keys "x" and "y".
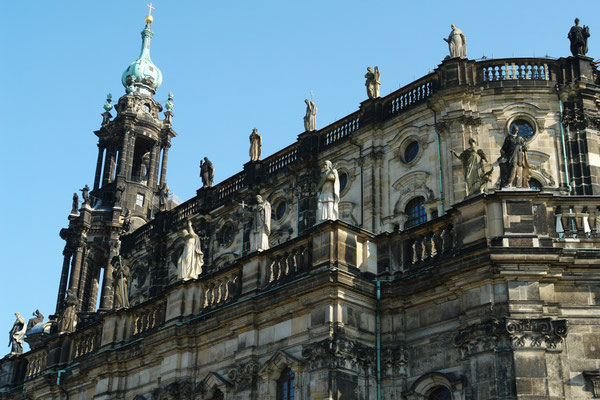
{"x": 534, "y": 184}
{"x": 285, "y": 385}
{"x": 440, "y": 393}
{"x": 415, "y": 212}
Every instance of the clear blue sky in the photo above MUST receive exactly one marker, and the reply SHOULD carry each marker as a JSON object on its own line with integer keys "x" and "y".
{"x": 232, "y": 65}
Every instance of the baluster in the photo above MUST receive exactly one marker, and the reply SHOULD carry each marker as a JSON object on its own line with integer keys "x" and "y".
{"x": 205, "y": 295}
{"x": 546, "y": 72}
{"x": 271, "y": 273}
{"x": 414, "y": 258}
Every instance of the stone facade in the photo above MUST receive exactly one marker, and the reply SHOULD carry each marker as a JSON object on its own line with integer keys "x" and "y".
{"x": 417, "y": 292}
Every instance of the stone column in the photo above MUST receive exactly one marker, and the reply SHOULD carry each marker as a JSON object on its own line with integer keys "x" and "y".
{"x": 109, "y": 163}
{"x": 62, "y": 288}
{"x": 98, "y": 166}
{"x": 121, "y": 170}
{"x": 76, "y": 266}
{"x": 163, "y": 168}
{"x": 153, "y": 172}
{"x": 106, "y": 297}
{"x": 129, "y": 157}
{"x": 93, "y": 290}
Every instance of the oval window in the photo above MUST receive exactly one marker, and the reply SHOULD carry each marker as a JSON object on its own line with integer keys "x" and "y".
{"x": 343, "y": 181}
{"x": 526, "y": 130}
{"x": 280, "y": 210}
{"x": 411, "y": 151}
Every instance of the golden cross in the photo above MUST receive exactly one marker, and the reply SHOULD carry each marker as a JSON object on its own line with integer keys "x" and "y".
{"x": 150, "y": 8}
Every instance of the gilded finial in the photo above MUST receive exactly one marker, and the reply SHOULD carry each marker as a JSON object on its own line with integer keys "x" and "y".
{"x": 149, "y": 18}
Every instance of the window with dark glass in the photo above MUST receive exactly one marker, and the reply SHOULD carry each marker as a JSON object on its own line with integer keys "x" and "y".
{"x": 280, "y": 210}
{"x": 525, "y": 128}
{"x": 343, "y": 180}
{"x": 218, "y": 395}
{"x": 411, "y": 151}
{"x": 226, "y": 234}
{"x": 285, "y": 385}
{"x": 415, "y": 212}
{"x": 441, "y": 393}
{"x": 535, "y": 184}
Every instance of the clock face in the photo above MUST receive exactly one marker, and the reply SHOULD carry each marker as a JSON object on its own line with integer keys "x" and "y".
{"x": 526, "y": 130}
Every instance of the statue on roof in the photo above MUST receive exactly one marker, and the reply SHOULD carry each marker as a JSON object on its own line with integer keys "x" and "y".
{"x": 67, "y": 321}
{"x": 476, "y": 170}
{"x": 207, "y": 172}
{"x": 329, "y": 194}
{"x": 255, "y": 145}
{"x": 37, "y": 318}
{"x": 163, "y": 196}
{"x": 261, "y": 225}
{"x": 191, "y": 260}
{"x": 372, "y": 82}
{"x": 16, "y": 335}
{"x": 579, "y": 39}
{"x": 457, "y": 43}
{"x": 85, "y": 194}
{"x": 310, "y": 119}
{"x": 75, "y": 205}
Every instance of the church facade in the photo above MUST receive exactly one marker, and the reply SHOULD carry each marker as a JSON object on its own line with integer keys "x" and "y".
{"x": 459, "y": 259}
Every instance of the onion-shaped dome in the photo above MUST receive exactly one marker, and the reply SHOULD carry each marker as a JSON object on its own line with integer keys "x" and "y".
{"x": 142, "y": 76}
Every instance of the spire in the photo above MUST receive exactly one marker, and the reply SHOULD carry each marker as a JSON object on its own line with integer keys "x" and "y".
{"x": 142, "y": 76}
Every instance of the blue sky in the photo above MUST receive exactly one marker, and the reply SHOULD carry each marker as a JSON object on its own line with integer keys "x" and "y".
{"x": 232, "y": 65}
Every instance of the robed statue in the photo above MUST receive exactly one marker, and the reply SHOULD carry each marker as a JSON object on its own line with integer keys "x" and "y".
{"x": 310, "y": 119}
{"x": 372, "y": 82}
{"x": 329, "y": 194}
{"x": 191, "y": 260}
{"x": 207, "y": 172}
{"x": 457, "y": 43}
{"x": 75, "y": 204}
{"x": 261, "y": 225}
{"x": 476, "y": 169}
{"x": 121, "y": 275}
{"x": 255, "y": 145}
{"x": 515, "y": 170}
{"x": 67, "y": 321}
{"x": 85, "y": 194}
{"x": 16, "y": 335}
{"x": 579, "y": 39}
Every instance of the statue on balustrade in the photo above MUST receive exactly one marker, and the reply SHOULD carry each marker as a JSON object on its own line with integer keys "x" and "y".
{"x": 16, "y": 335}
{"x": 261, "y": 225}
{"x": 85, "y": 194}
{"x": 329, "y": 194}
{"x": 75, "y": 205}
{"x": 476, "y": 169}
{"x": 67, "y": 321}
{"x": 37, "y": 318}
{"x": 191, "y": 260}
{"x": 515, "y": 170}
{"x": 457, "y": 43}
{"x": 255, "y": 145}
{"x": 579, "y": 39}
{"x": 372, "y": 82}
{"x": 163, "y": 196}
{"x": 207, "y": 172}
{"x": 121, "y": 275}
{"x": 310, "y": 119}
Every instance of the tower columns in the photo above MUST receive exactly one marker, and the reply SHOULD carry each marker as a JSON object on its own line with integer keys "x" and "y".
{"x": 163, "y": 168}
{"x": 76, "y": 267}
{"x": 62, "y": 288}
{"x": 98, "y": 166}
{"x": 121, "y": 167}
{"x": 109, "y": 165}
{"x": 106, "y": 296}
{"x": 153, "y": 172}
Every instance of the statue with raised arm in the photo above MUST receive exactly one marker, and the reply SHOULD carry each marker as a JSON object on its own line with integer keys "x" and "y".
{"x": 85, "y": 194}
{"x": 16, "y": 335}
{"x": 372, "y": 82}
{"x": 310, "y": 119}
{"x": 457, "y": 43}
{"x": 514, "y": 164}
{"x": 191, "y": 260}
{"x": 75, "y": 205}
{"x": 329, "y": 194}
{"x": 207, "y": 172}
{"x": 121, "y": 281}
{"x": 261, "y": 225}
{"x": 67, "y": 321}
{"x": 37, "y": 318}
{"x": 474, "y": 164}
{"x": 255, "y": 145}
{"x": 579, "y": 39}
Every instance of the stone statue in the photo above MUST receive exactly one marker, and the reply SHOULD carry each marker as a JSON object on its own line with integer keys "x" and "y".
{"x": 191, "y": 260}
{"x": 372, "y": 82}
{"x": 474, "y": 168}
{"x": 37, "y": 318}
{"x": 329, "y": 194}
{"x": 85, "y": 194}
{"x": 163, "y": 196}
{"x": 255, "y": 145}
{"x": 67, "y": 321}
{"x": 457, "y": 43}
{"x": 145, "y": 167}
{"x": 579, "y": 38}
{"x": 310, "y": 119}
{"x": 121, "y": 278}
{"x": 75, "y": 205}
{"x": 207, "y": 172}
{"x": 514, "y": 164}
{"x": 261, "y": 225}
{"x": 16, "y": 335}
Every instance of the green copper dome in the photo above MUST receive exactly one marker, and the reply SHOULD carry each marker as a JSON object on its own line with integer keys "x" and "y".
{"x": 142, "y": 75}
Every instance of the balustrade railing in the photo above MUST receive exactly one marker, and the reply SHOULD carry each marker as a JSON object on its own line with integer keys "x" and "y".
{"x": 288, "y": 263}
{"x": 220, "y": 289}
{"x": 184, "y": 210}
{"x": 576, "y": 222}
{"x": 282, "y": 159}
{"x": 147, "y": 318}
{"x": 36, "y": 363}
{"x": 230, "y": 186}
{"x": 511, "y": 69}
{"x": 429, "y": 245}
{"x": 411, "y": 94}
{"x": 86, "y": 342}
{"x": 342, "y": 128}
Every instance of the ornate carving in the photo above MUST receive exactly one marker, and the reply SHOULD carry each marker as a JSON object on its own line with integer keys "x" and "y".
{"x": 337, "y": 351}
{"x": 394, "y": 360}
{"x": 478, "y": 338}
{"x": 184, "y": 390}
{"x": 244, "y": 376}
{"x": 594, "y": 378}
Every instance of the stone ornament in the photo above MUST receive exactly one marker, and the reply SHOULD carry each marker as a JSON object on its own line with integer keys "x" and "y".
{"x": 515, "y": 170}
{"x": 244, "y": 376}
{"x": 75, "y": 205}
{"x": 310, "y": 119}
{"x": 255, "y": 145}
{"x": 121, "y": 275}
{"x": 329, "y": 194}
{"x": 476, "y": 169}
{"x": 85, "y": 194}
{"x": 457, "y": 43}
{"x": 163, "y": 196}
{"x": 261, "y": 225}
{"x": 16, "y": 335}
{"x": 207, "y": 172}
{"x": 372, "y": 82}
{"x": 339, "y": 352}
{"x": 579, "y": 39}
{"x": 191, "y": 260}
{"x": 37, "y": 318}
{"x": 67, "y": 321}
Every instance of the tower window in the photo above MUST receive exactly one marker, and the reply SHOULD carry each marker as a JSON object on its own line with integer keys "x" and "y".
{"x": 285, "y": 385}
{"x": 411, "y": 151}
{"x": 280, "y": 210}
{"x": 526, "y": 130}
{"x": 440, "y": 393}
{"x": 139, "y": 200}
{"x": 415, "y": 212}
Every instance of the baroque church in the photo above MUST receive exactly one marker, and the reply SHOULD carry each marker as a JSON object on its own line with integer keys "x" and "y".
{"x": 439, "y": 243}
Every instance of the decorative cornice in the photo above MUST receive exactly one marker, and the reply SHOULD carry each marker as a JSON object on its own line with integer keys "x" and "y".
{"x": 244, "y": 376}
{"x": 338, "y": 351}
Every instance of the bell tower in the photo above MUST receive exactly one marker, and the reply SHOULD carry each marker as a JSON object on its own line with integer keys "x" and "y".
{"x": 130, "y": 184}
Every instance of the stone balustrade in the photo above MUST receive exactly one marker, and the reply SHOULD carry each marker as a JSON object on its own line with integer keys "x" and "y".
{"x": 86, "y": 342}
{"x": 288, "y": 263}
{"x": 148, "y": 317}
{"x": 36, "y": 363}
{"x": 510, "y": 69}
